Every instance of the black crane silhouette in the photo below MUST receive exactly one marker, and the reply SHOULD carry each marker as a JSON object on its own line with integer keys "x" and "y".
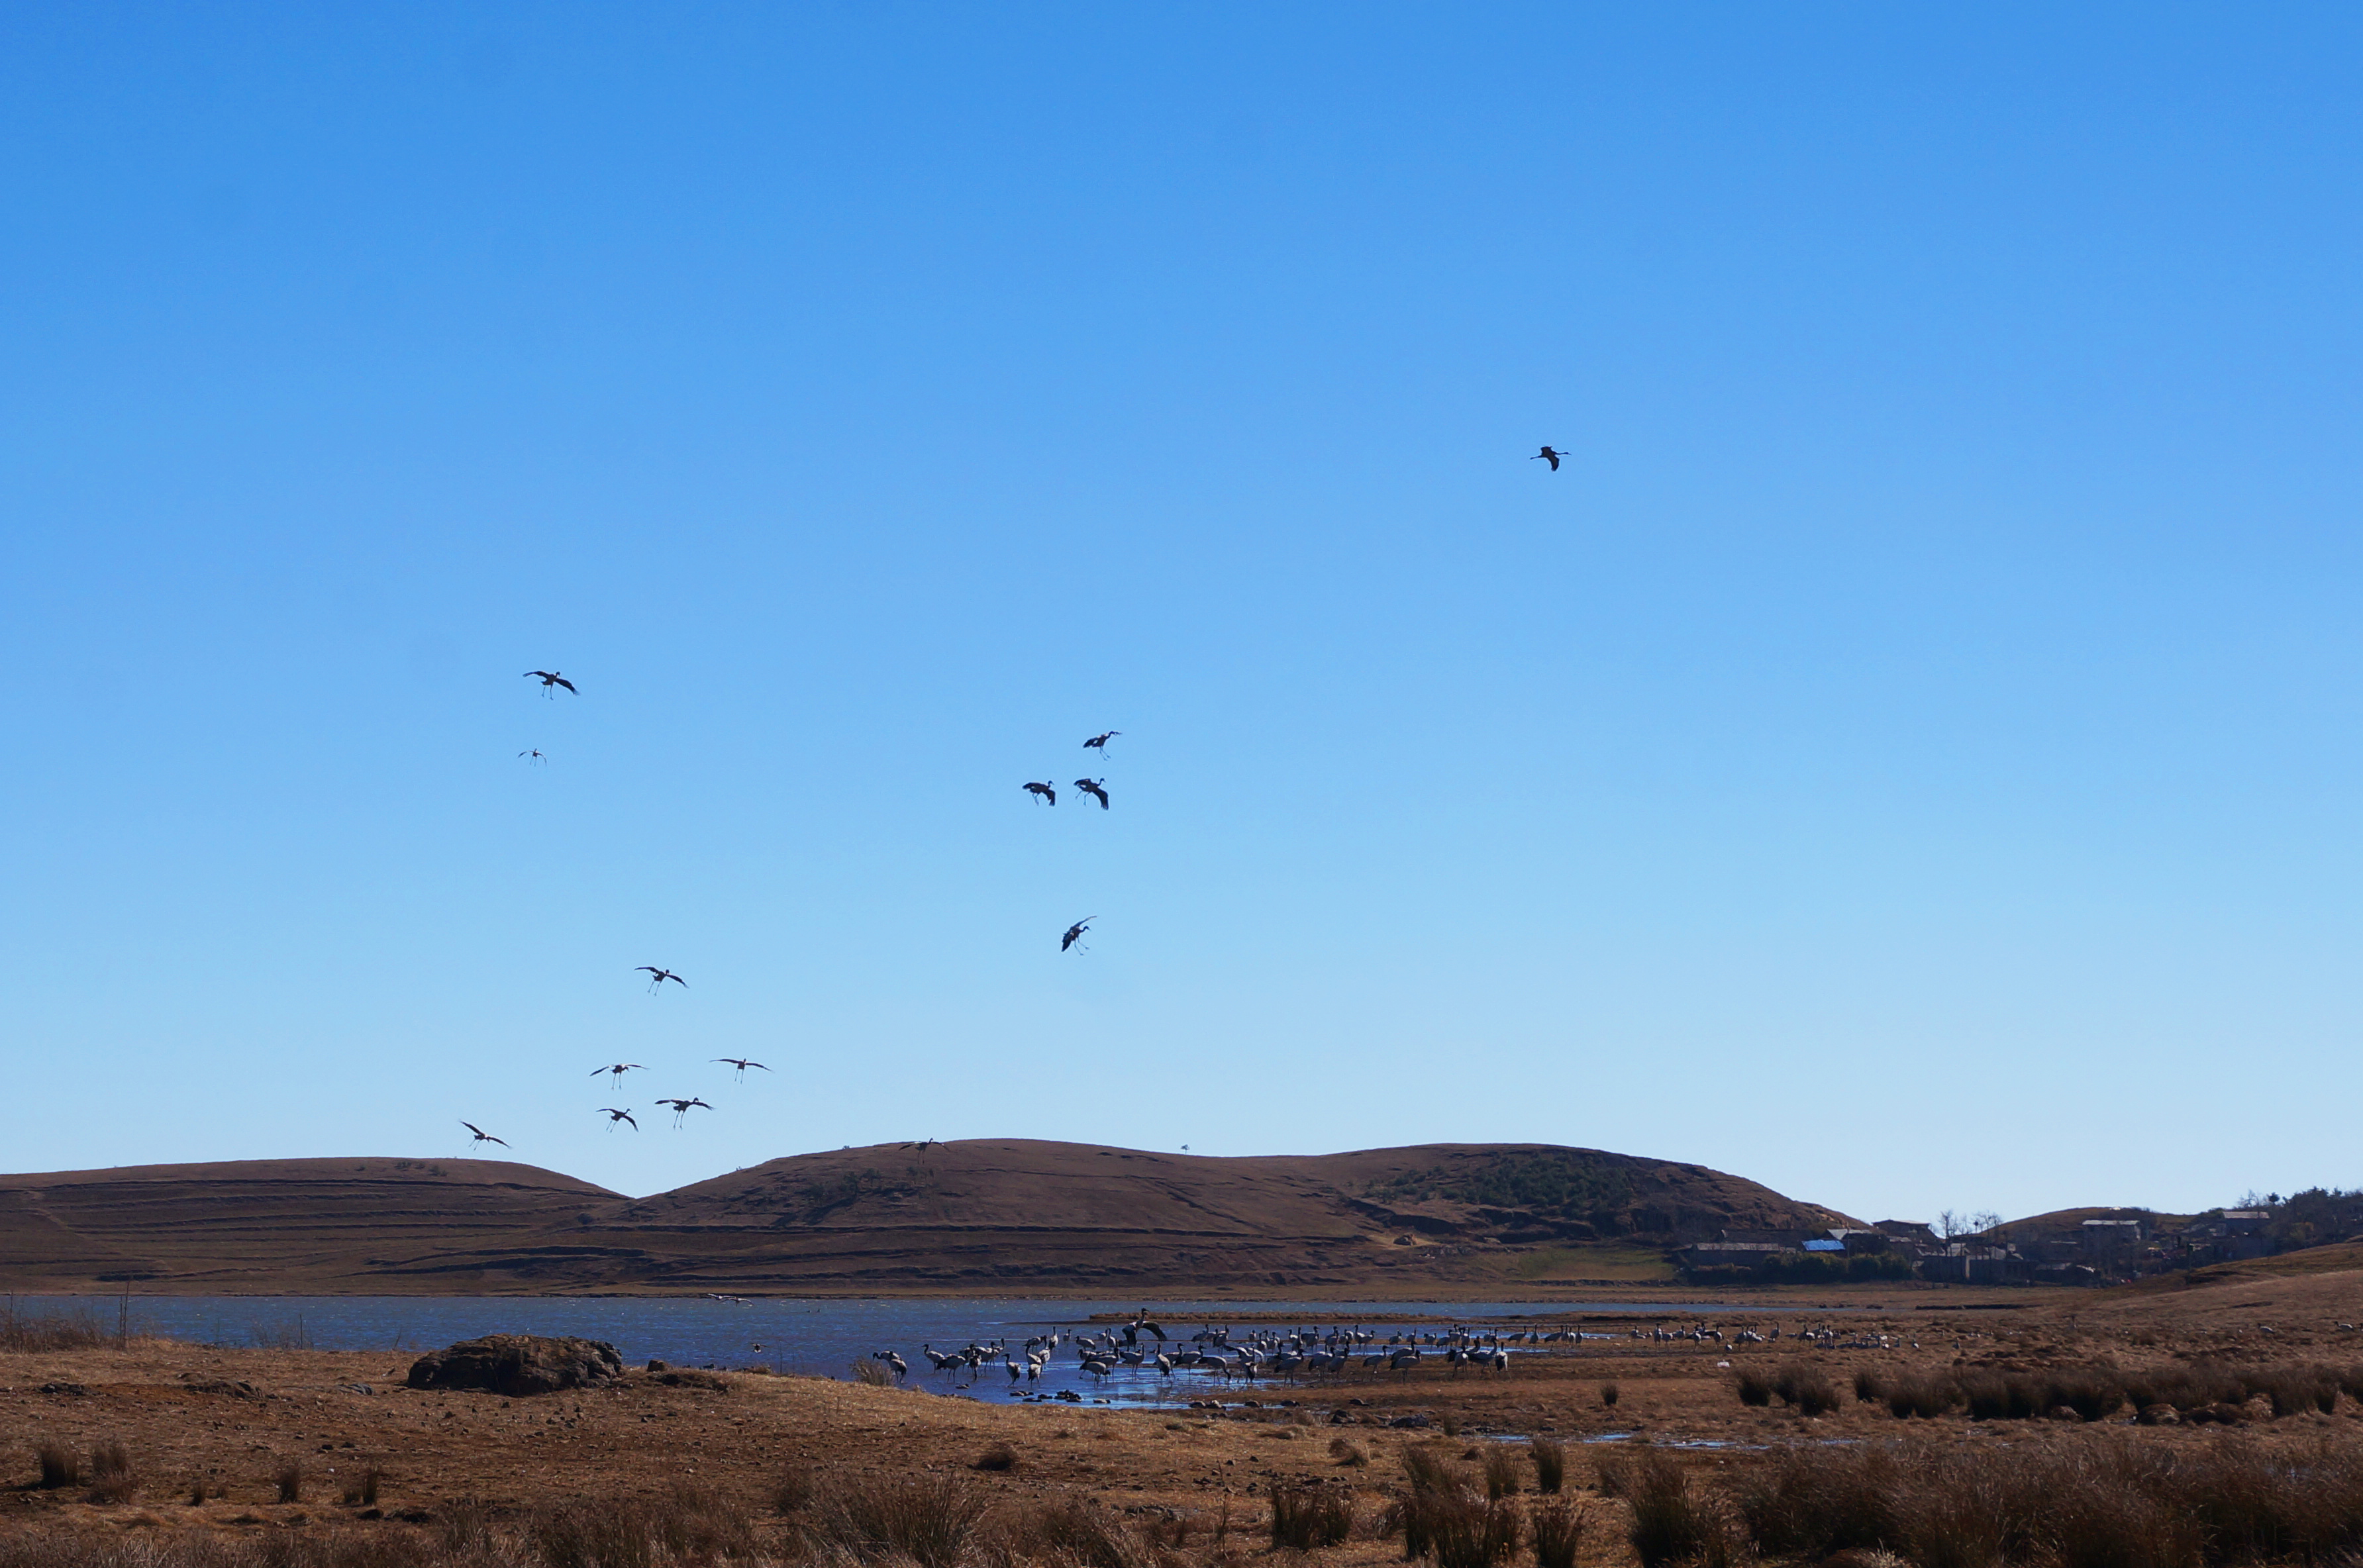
{"x": 924, "y": 1145}
{"x": 740, "y": 1065}
{"x": 1551, "y": 455}
{"x": 482, "y": 1136}
{"x": 681, "y": 1108}
{"x": 549, "y": 679}
{"x": 1043, "y": 792}
{"x": 535, "y": 755}
{"x": 659, "y": 977}
{"x": 1092, "y": 787}
{"x": 1098, "y": 743}
{"x": 619, "y": 1069}
{"x": 615, "y": 1116}
{"x": 1075, "y": 932}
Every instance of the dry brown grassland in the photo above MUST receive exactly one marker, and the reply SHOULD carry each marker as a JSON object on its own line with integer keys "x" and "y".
{"x": 2045, "y": 1437}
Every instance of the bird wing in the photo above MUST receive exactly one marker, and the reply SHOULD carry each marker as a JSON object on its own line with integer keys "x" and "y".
{"x": 474, "y": 1128}
{"x": 570, "y": 685}
{"x": 676, "y": 979}
{"x": 759, "y": 1065}
{"x": 628, "y": 1117}
{"x": 596, "y": 1071}
{"x": 646, "y": 970}
{"x": 504, "y": 1142}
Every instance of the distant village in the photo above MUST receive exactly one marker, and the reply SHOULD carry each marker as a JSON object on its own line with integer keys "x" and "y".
{"x": 2080, "y": 1246}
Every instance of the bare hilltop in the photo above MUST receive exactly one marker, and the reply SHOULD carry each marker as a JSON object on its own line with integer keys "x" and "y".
{"x": 966, "y": 1217}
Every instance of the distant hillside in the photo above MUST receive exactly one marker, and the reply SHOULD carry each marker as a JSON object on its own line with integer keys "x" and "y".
{"x": 271, "y": 1225}
{"x": 983, "y": 1214}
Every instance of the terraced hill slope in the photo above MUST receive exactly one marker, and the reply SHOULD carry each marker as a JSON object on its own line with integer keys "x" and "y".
{"x": 281, "y": 1225}
{"x": 973, "y": 1216}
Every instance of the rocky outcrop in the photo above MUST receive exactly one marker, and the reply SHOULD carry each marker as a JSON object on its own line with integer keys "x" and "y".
{"x": 519, "y": 1363}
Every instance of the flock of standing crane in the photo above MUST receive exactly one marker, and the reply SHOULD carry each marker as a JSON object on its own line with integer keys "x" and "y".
{"x": 1143, "y": 1345}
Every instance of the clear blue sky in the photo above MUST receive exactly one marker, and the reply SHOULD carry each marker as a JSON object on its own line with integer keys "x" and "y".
{"x": 1909, "y": 755}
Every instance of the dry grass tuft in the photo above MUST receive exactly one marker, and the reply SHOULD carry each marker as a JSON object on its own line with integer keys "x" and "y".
{"x": 1500, "y": 1472}
{"x": 1917, "y": 1394}
{"x": 1425, "y": 1471}
{"x": 1557, "y": 1530}
{"x": 1808, "y": 1388}
{"x": 1671, "y": 1523}
{"x": 290, "y": 1482}
{"x": 1346, "y": 1451}
{"x": 872, "y": 1373}
{"x": 111, "y": 1480}
{"x": 1550, "y": 1463}
{"x": 60, "y": 1466}
{"x": 1000, "y": 1457}
{"x": 691, "y": 1526}
{"x": 1462, "y": 1532}
{"x": 792, "y": 1493}
{"x": 1076, "y": 1531}
{"x": 50, "y": 1332}
{"x": 933, "y": 1521}
{"x": 1609, "y": 1393}
{"x": 2093, "y": 1504}
{"x": 1310, "y": 1516}
{"x": 465, "y": 1526}
{"x": 362, "y": 1493}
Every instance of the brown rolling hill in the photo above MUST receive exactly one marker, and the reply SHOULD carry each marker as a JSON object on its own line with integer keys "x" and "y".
{"x": 974, "y": 1216}
{"x": 273, "y": 1225}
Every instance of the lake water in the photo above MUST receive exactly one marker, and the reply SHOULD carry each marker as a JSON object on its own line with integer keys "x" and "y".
{"x": 819, "y": 1336}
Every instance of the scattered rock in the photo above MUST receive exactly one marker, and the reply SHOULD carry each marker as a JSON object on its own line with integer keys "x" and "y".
{"x": 63, "y": 1388}
{"x": 655, "y": 1365}
{"x": 2158, "y": 1416}
{"x": 1414, "y": 1420}
{"x": 520, "y": 1363}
